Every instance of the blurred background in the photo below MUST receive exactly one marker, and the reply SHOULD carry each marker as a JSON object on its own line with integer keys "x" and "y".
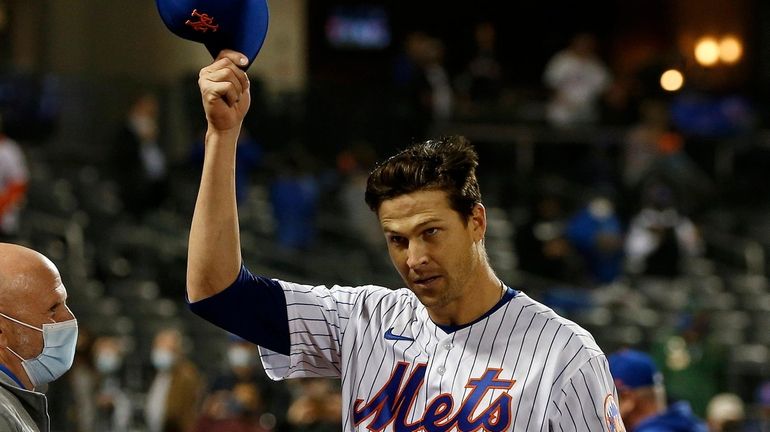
{"x": 624, "y": 164}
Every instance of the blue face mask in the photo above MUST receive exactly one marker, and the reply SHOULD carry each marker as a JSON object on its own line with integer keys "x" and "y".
{"x": 59, "y": 341}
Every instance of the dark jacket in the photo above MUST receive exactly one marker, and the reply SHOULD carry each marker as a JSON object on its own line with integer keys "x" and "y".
{"x": 678, "y": 418}
{"x": 21, "y": 410}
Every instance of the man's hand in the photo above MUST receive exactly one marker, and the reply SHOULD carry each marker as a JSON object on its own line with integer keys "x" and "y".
{"x": 225, "y": 91}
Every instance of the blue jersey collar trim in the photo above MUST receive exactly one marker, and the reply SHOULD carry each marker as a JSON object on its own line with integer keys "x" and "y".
{"x": 507, "y": 296}
{"x": 11, "y": 375}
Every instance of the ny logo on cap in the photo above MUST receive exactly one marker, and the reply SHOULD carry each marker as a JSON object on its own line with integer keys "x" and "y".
{"x": 204, "y": 23}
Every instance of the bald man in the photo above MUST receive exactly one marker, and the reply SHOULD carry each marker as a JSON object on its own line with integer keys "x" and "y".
{"x": 38, "y": 334}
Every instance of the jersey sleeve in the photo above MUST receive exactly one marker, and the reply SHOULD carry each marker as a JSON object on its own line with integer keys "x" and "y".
{"x": 252, "y": 307}
{"x": 317, "y": 317}
{"x": 588, "y": 400}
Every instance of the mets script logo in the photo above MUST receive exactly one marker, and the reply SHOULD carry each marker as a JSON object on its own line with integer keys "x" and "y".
{"x": 395, "y": 400}
{"x": 204, "y": 22}
{"x": 612, "y": 415}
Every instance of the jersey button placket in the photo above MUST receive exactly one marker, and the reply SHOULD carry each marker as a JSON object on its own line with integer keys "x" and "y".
{"x": 446, "y": 345}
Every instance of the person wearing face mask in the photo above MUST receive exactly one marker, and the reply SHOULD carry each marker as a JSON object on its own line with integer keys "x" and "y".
{"x": 38, "y": 335}
{"x": 113, "y": 404}
{"x": 139, "y": 161}
{"x": 172, "y": 403}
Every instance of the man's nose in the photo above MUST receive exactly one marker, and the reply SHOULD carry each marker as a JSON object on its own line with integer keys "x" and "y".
{"x": 416, "y": 255}
{"x": 65, "y": 314}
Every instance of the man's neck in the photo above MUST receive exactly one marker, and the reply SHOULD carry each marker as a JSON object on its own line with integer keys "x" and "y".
{"x": 480, "y": 294}
{"x": 13, "y": 365}
{"x": 645, "y": 412}
{"x": 4, "y": 370}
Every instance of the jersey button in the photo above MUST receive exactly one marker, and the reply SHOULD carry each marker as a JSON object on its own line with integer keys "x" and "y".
{"x": 441, "y": 370}
{"x": 448, "y": 346}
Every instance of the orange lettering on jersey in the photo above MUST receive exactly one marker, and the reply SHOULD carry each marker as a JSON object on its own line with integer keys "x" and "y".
{"x": 204, "y": 23}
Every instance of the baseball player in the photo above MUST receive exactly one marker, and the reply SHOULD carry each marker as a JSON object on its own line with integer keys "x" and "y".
{"x": 456, "y": 350}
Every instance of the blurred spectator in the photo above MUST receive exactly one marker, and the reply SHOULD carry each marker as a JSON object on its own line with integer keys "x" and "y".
{"x": 13, "y": 186}
{"x": 242, "y": 398}
{"x": 480, "y": 84}
{"x": 596, "y": 233}
{"x": 248, "y": 157}
{"x": 655, "y": 152}
{"x": 437, "y": 96}
{"x": 354, "y": 165}
{"x": 405, "y": 64}
{"x": 294, "y": 195}
{"x": 412, "y": 120}
{"x": 725, "y": 413}
{"x": 643, "y": 141}
{"x": 113, "y": 404}
{"x": 541, "y": 244}
{"x": 139, "y": 162}
{"x": 692, "y": 363}
{"x": 578, "y": 78}
{"x": 172, "y": 403}
{"x": 675, "y": 167}
{"x": 424, "y": 85}
{"x": 317, "y": 406}
{"x": 642, "y": 396}
{"x": 660, "y": 240}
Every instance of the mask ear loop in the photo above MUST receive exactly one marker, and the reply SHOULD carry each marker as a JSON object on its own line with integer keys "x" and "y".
{"x": 14, "y": 353}
{"x": 25, "y": 325}
{"x": 22, "y": 323}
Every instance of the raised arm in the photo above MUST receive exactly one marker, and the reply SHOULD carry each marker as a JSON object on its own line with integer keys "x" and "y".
{"x": 214, "y": 249}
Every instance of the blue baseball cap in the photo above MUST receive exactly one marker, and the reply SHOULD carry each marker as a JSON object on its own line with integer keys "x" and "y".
{"x": 239, "y": 25}
{"x": 633, "y": 369}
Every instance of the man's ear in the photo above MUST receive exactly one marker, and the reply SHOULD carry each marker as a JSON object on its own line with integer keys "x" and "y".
{"x": 3, "y": 336}
{"x": 478, "y": 221}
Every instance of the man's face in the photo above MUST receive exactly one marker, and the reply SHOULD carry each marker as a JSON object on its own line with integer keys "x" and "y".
{"x": 41, "y": 301}
{"x": 435, "y": 250}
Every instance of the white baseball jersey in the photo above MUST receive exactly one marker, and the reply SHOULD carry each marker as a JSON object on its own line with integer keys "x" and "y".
{"x": 521, "y": 367}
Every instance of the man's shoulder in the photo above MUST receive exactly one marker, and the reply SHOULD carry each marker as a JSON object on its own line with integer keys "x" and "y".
{"x": 678, "y": 417}
{"x": 13, "y": 416}
{"x": 361, "y": 295}
{"x": 6, "y": 395}
{"x": 374, "y": 295}
{"x": 571, "y": 333}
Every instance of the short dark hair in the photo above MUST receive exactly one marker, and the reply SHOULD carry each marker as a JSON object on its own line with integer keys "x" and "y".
{"x": 447, "y": 164}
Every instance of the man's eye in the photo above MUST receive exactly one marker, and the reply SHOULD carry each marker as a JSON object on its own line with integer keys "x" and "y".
{"x": 396, "y": 240}
{"x": 431, "y": 231}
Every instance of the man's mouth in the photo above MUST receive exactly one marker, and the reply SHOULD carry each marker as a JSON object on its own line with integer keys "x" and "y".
{"x": 426, "y": 280}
